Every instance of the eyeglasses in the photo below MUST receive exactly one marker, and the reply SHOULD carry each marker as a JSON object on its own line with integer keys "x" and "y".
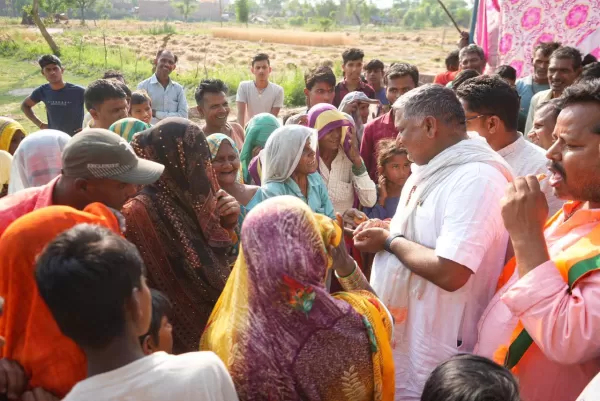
{"x": 476, "y": 117}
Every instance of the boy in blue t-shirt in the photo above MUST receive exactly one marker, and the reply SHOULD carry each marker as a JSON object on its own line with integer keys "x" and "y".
{"x": 64, "y": 101}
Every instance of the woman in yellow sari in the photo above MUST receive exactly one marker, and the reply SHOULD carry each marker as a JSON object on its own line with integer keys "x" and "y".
{"x": 280, "y": 333}
{"x": 11, "y": 134}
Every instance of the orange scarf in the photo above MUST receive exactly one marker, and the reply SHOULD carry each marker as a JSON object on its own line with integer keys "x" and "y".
{"x": 33, "y": 339}
{"x": 574, "y": 263}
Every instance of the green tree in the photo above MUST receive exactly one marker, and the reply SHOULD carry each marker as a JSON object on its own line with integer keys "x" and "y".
{"x": 415, "y": 18}
{"x": 326, "y": 24}
{"x": 326, "y": 8}
{"x": 102, "y": 8}
{"x": 242, "y": 11}
{"x": 84, "y": 5}
{"x": 42, "y": 28}
{"x": 55, "y": 6}
{"x": 362, "y": 10}
{"x": 186, "y": 7}
{"x": 273, "y": 7}
{"x": 300, "y": 8}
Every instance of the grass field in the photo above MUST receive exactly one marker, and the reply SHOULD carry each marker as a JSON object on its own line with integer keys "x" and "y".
{"x": 204, "y": 50}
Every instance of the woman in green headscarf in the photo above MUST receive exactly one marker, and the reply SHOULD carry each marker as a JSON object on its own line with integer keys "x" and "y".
{"x": 11, "y": 134}
{"x": 128, "y": 127}
{"x": 258, "y": 130}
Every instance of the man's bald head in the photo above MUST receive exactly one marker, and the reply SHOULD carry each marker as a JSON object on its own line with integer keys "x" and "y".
{"x": 432, "y": 101}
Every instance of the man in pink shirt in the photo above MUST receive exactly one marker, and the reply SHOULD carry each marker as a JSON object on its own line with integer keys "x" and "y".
{"x": 399, "y": 79}
{"x": 543, "y": 321}
{"x": 98, "y": 166}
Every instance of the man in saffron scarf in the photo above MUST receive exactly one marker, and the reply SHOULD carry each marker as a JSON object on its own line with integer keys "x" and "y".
{"x": 543, "y": 321}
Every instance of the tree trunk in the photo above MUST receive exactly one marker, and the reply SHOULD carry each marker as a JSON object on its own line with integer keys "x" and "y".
{"x": 42, "y": 28}
{"x": 221, "y": 12}
{"x": 82, "y": 14}
{"x": 357, "y": 18}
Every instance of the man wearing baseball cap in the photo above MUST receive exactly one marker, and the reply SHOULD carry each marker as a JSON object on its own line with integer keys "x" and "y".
{"x": 97, "y": 166}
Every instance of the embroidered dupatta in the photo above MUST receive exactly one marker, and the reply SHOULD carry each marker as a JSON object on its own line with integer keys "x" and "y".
{"x": 280, "y": 333}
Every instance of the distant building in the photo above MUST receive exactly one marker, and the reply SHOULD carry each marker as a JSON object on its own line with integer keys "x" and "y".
{"x": 161, "y": 9}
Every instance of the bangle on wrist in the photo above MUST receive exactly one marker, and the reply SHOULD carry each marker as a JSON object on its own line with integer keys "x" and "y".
{"x": 353, "y": 271}
{"x": 355, "y": 281}
{"x": 360, "y": 170}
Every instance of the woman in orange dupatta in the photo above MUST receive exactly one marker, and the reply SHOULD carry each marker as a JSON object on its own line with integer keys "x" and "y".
{"x": 50, "y": 360}
{"x": 277, "y": 329}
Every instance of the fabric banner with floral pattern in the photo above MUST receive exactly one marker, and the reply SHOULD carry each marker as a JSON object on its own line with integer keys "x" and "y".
{"x": 508, "y": 30}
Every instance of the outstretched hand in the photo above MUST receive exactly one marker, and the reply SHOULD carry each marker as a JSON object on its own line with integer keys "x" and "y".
{"x": 371, "y": 240}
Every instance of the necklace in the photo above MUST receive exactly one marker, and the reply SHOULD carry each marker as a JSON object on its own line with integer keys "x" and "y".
{"x": 260, "y": 91}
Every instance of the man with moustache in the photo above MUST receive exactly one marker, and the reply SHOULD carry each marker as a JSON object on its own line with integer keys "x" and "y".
{"x": 213, "y": 107}
{"x": 544, "y": 319}
{"x": 438, "y": 260}
{"x": 168, "y": 97}
{"x": 564, "y": 69}
{"x": 537, "y": 82}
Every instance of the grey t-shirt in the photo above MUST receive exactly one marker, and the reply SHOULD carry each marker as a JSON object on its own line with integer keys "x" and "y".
{"x": 64, "y": 107}
{"x": 259, "y": 102}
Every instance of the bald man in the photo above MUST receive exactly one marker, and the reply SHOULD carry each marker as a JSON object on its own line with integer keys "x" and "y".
{"x": 439, "y": 259}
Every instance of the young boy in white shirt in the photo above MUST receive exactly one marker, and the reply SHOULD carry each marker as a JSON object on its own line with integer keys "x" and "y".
{"x": 260, "y": 95}
{"x": 94, "y": 283}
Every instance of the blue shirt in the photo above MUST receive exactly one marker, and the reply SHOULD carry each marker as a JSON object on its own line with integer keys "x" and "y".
{"x": 383, "y": 212}
{"x": 318, "y": 198}
{"x": 380, "y": 95}
{"x": 64, "y": 107}
{"x": 168, "y": 102}
{"x": 526, "y": 88}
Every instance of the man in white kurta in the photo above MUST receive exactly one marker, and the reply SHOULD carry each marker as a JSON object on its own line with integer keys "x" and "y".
{"x": 439, "y": 259}
{"x": 491, "y": 109}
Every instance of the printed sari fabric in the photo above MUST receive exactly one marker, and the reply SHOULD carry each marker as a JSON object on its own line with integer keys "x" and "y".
{"x": 51, "y": 360}
{"x": 214, "y": 143}
{"x": 280, "y": 333}
{"x": 128, "y": 127}
{"x": 508, "y": 31}
{"x": 176, "y": 226}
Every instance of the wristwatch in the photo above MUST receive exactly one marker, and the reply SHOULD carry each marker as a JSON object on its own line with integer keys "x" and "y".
{"x": 388, "y": 242}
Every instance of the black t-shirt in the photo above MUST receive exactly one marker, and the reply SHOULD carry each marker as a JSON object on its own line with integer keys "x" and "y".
{"x": 64, "y": 107}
